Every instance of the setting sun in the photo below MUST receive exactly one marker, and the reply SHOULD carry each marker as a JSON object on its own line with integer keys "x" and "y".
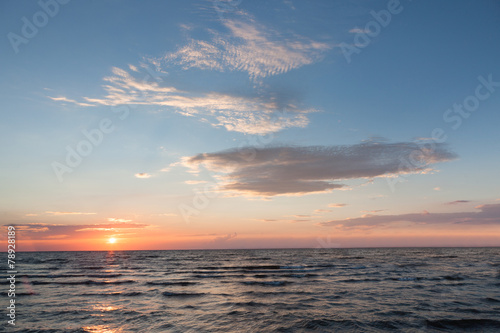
{"x": 112, "y": 240}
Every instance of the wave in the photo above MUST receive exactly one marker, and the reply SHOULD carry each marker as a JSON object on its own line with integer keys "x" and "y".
{"x": 356, "y": 258}
{"x": 208, "y": 276}
{"x": 414, "y": 264}
{"x": 468, "y": 324}
{"x": 406, "y": 278}
{"x": 276, "y": 293}
{"x": 266, "y": 283}
{"x": 171, "y": 283}
{"x": 322, "y": 324}
{"x": 57, "y": 260}
{"x": 249, "y": 303}
{"x": 443, "y": 257}
{"x": 84, "y": 282}
{"x": 65, "y": 276}
{"x": 492, "y": 300}
{"x": 455, "y": 277}
{"x": 124, "y": 294}
{"x": 172, "y": 294}
{"x": 103, "y": 275}
{"x": 248, "y": 268}
{"x": 23, "y": 294}
{"x": 360, "y": 280}
{"x": 53, "y": 276}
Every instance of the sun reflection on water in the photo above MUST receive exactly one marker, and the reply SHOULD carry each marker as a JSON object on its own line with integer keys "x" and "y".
{"x": 99, "y": 329}
{"x": 104, "y": 308}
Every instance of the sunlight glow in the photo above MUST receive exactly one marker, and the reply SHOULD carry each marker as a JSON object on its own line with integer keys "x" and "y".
{"x": 112, "y": 240}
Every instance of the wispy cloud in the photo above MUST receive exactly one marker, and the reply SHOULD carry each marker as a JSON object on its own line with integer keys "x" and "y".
{"x": 222, "y": 239}
{"x": 458, "y": 202}
{"x": 487, "y": 214}
{"x": 195, "y": 182}
{"x": 114, "y": 219}
{"x": 249, "y": 47}
{"x": 337, "y": 205}
{"x": 54, "y": 231}
{"x": 244, "y": 46}
{"x": 68, "y": 213}
{"x": 250, "y": 115}
{"x": 68, "y": 100}
{"x": 287, "y": 170}
{"x": 358, "y": 31}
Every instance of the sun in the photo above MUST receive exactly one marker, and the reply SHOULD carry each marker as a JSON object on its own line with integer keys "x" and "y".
{"x": 112, "y": 240}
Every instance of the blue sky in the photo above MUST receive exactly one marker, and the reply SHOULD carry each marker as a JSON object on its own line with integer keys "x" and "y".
{"x": 264, "y": 108}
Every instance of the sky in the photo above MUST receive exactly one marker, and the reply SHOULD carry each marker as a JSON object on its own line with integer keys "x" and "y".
{"x": 136, "y": 125}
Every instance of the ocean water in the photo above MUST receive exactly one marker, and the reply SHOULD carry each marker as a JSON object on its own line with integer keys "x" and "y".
{"x": 299, "y": 290}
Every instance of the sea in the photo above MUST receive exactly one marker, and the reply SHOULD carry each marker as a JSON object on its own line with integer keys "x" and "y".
{"x": 279, "y": 290}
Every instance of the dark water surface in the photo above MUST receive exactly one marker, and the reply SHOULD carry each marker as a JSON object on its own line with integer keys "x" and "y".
{"x": 302, "y": 290}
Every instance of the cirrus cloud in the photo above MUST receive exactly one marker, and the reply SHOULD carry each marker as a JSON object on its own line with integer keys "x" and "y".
{"x": 244, "y": 114}
{"x": 249, "y": 47}
{"x": 245, "y": 46}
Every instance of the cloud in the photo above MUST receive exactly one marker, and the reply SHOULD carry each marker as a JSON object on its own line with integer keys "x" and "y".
{"x": 358, "y": 31}
{"x": 487, "y": 214}
{"x": 54, "y": 231}
{"x": 142, "y": 175}
{"x": 245, "y": 46}
{"x": 337, "y": 205}
{"x": 245, "y": 114}
{"x": 249, "y": 47}
{"x": 68, "y": 213}
{"x": 289, "y": 170}
{"x": 50, "y": 213}
{"x": 457, "y": 202}
{"x": 195, "y": 182}
{"x": 64, "y": 99}
{"x": 373, "y": 211}
{"x": 225, "y": 238}
{"x": 323, "y": 211}
{"x": 113, "y": 219}
{"x": 437, "y": 188}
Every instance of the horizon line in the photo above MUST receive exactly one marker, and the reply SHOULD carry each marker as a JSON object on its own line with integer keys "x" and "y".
{"x": 279, "y": 248}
